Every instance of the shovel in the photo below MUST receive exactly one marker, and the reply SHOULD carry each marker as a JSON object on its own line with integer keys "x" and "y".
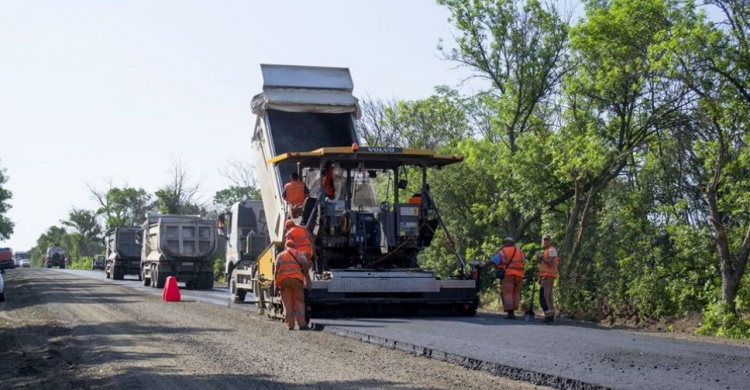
{"x": 529, "y": 315}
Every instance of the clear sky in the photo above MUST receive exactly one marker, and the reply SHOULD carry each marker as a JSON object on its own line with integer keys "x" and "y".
{"x": 116, "y": 90}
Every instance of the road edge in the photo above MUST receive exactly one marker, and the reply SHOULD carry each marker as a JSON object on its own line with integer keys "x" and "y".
{"x": 515, "y": 373}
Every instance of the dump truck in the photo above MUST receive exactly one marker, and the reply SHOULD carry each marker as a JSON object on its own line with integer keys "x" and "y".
{"x": 366, "y": 241}
{"x": 123, "y": 252}
{"x": 244, "y": 229}
{"x": 178, "y": 245}
{"x": 55, "y": 257}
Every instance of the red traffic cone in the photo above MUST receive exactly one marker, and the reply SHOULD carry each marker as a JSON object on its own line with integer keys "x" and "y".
{"x": 171, "y": 292}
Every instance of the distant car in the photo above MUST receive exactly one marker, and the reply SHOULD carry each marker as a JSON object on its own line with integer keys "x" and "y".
{"x": 2, "y": 286}
{"x": 6, "y": 258}
{"x": 20, "y": 256}
{"x": 25, "y": 263}
{"x": 98, "y": 262}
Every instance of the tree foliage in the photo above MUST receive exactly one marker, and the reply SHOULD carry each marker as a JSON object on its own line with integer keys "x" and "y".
{"x": 624, "y": 136}
{"x": 126, "y": 206}
{"x": 6, "y": 225}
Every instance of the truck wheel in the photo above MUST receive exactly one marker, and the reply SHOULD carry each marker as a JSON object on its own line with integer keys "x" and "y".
{"x": 208, "y": 281}
{"x": 161, "y": 278}
{"x": 118, "y": 273}
{"x": 238, "y": 296}
{"x": 142, "y": 277}
{"x": 62, "y": 266}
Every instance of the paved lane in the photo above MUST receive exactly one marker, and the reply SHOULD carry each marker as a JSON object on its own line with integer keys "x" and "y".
{"x": 559, "y": 355}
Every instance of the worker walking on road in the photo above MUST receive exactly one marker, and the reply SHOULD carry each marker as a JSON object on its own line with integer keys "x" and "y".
{"x": 295, "y": 193}
{"x": 289, "y": 278}
{"x": 548, "y": 261}
{"x": 509, "y": 262}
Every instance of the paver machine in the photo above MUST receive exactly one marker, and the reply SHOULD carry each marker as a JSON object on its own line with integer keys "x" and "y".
{"x": 367, "y": 230}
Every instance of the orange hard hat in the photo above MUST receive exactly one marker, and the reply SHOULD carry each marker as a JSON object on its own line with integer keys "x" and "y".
{"x": 289, "y": 223}
{"x": 290, "y": 244}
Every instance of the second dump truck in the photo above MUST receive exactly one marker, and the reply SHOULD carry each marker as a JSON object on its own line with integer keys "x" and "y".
{"x": 178, "y": 245}
{"x": 123, "y": 256}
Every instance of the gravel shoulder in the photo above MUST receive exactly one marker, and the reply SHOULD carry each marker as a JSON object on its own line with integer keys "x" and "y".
{"x": 62, "y": 331}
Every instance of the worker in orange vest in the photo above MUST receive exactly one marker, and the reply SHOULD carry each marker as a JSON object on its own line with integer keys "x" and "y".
{"x": 509, "y": 262}
{"x": 548, "y": 261}
{"x": 303, "y": 241}
{"x": 295, "y": 193}
{"x": 328, "y": 182}
{"x": 290, "y": 279}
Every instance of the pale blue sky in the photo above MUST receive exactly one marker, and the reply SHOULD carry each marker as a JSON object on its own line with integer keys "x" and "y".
{"x": 101, "y": 90}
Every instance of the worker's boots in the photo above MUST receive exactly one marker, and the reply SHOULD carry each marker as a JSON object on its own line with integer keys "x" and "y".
{"x": 511, "y": 315}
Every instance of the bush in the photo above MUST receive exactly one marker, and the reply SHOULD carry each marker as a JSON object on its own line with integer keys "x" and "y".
{"x": 81, "y": 263}
{"x": 718, "y": 320}
{"x": 219, "y": 276}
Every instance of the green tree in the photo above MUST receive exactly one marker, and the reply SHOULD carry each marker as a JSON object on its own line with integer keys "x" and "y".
{"x": 126, "y": 206}
{"x": 712, "y": 60}
{"x": 233, "y": 194}
{"x": 179, "y": 196}
{"x": 6, "y": 225}
{"x": 85, "y": 223}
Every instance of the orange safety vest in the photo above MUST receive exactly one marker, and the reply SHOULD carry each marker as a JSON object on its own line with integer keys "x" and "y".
{"x": 515, "y": 267}
{"x": 329, "y": 184}
{"x": 289, "y": 265}
{"x": 548, "y": 266}
{"x": 295, "y": 193}
{"x": 302, "y": 240}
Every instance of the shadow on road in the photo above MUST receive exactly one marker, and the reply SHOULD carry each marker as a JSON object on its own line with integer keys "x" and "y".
{"x": 145, "y": 378}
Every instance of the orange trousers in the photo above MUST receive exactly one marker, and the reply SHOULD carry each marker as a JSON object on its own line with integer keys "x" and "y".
{"x": 546, "y": 298}
{"x": 293, "y": 299}
{"x": 511, "y": 292}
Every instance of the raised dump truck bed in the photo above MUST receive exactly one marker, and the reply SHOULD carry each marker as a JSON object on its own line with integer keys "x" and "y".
{"x": 178, "y": 245}
{"x": 123, "y": 256}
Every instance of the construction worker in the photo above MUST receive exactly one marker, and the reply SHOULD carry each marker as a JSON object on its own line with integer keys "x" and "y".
{"x": 328, "y": 182}
{"x": 548, "y": 260}
{"x": 289, "y": 278}
{"x": 511, "y": 260}
{"x": 416, "y": 198}
{"x": 302, "y": 238}
{"x": 295, "y": 193}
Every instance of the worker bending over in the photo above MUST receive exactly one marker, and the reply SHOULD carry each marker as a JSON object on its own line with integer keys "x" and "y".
{"x": 548, "y": 261}
{"x": 303, "y": 242}
{"x": 509, "y": 263}
{"x": 290, "y": 279}
{"x": 295, "y": 193}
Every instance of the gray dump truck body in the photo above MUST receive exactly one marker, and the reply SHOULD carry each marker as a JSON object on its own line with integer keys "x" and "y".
{"x": 123, "y": 255}
{"x": 178, "y": 245}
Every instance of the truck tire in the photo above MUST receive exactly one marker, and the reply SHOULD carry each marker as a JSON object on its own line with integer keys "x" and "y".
{"x": 118, "y": 273}
{"x": 238, "y": 296}
{"x": 142, "y": 277}
{"x": 161, "y": 278}
{"x": 208, "y": 281}
{"x": 62, "y": 266}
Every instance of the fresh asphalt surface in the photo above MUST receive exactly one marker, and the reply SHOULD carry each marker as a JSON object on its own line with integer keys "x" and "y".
{"x": 566, "y": 355}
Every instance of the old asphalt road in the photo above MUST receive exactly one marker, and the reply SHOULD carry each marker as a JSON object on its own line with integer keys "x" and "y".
{"x": 563, "y": 356}
{"x": 62, "y": 331}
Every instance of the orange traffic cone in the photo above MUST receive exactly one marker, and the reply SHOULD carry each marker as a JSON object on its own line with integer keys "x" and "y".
{"x": 171, "y": 292}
